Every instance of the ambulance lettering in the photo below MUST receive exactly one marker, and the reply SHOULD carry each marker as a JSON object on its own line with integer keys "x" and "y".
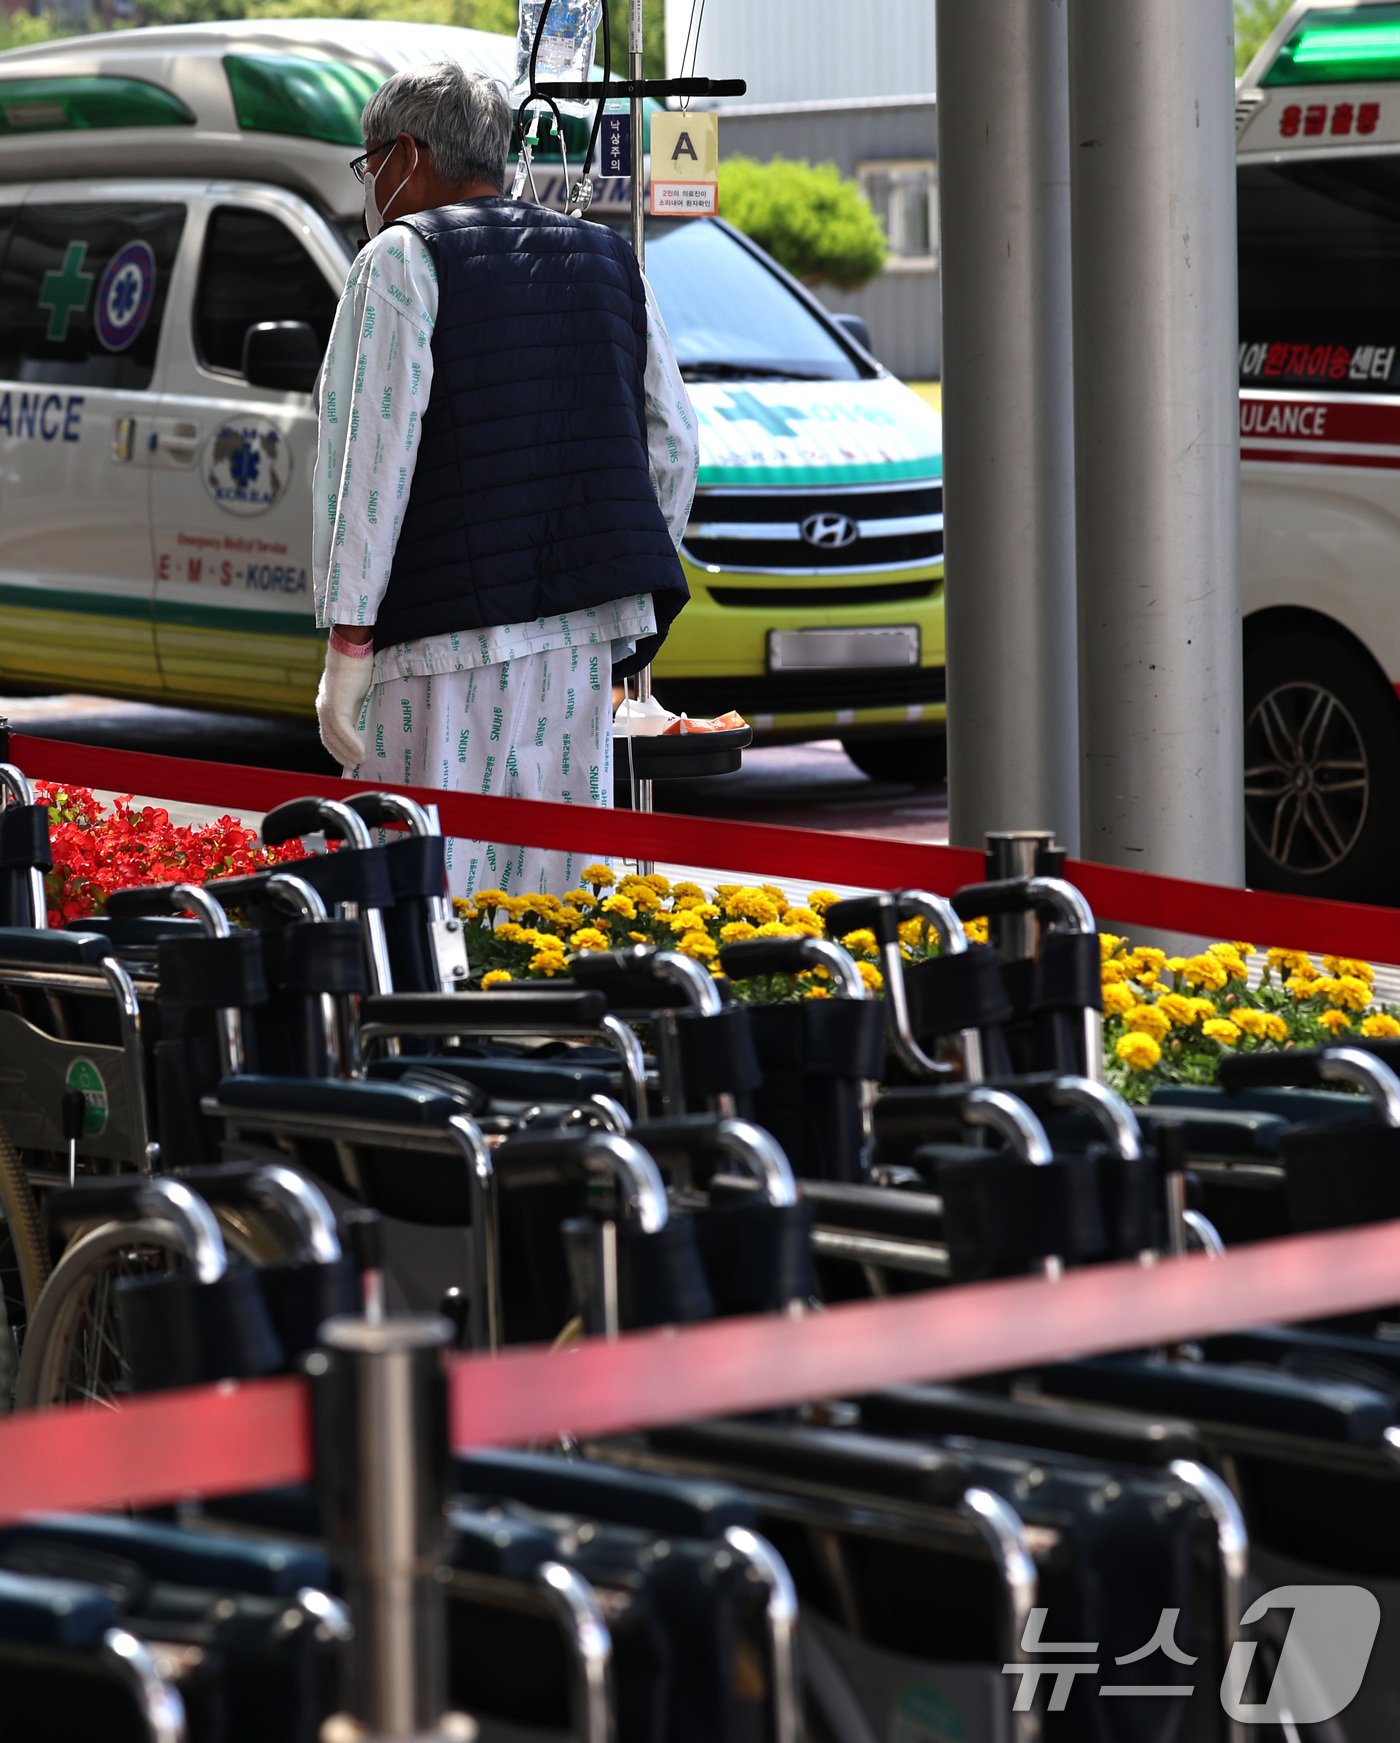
{"x": 1270, "y": 418}
{"x": 41, "y": 417}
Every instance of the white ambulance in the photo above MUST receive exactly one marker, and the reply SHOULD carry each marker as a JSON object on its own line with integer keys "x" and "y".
{"x": 177, "y": 215}
{"x": 1319, "y": 203}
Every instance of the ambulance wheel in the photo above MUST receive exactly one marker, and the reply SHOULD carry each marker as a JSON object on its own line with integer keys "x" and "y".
{"x": 1321, "y": 740}
{"x": 911, "y": 759}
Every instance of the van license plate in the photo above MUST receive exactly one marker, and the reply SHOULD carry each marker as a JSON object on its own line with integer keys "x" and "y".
{"x": 806, "y": 650}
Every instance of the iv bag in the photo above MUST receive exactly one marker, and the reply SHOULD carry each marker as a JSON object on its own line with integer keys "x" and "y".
{"x": 566, "y": 48}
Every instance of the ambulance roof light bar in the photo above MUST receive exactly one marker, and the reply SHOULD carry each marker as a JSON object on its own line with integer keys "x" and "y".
{"x": 1358, "y": 46}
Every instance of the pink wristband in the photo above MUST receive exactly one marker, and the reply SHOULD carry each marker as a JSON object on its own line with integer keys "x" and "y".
{"x": 353, "y": 650}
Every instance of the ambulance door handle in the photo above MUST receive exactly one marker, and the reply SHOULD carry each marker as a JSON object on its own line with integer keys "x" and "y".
{"x": 123, "y": 440}
{"x": 178, "y": 442}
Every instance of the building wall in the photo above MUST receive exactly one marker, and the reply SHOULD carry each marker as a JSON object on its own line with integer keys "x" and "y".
{"x": 903, "y": 306}
{"x": 806, "y": 50}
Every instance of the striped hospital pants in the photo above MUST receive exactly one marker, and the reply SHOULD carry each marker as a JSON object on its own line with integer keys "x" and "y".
{"x": 538, "y": 727}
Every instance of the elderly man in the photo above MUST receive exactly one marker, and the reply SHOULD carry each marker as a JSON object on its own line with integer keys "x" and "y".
{"x": 506, "y": 463}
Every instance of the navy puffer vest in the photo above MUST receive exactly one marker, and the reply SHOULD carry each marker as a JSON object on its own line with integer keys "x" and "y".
{"x": 531, "y": 494}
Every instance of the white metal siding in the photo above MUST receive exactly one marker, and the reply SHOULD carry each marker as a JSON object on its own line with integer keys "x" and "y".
{"x": 800, "y": 50}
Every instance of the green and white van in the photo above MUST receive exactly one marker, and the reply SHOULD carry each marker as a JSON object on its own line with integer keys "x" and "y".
{"x": 164, "y": 191}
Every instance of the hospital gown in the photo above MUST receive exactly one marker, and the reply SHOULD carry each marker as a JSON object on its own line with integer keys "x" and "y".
{"x": 517, "y": 710}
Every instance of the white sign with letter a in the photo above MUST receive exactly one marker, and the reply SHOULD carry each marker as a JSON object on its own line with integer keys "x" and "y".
{"x": 685, "y": 164}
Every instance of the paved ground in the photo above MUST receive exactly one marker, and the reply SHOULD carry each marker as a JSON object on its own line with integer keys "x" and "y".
{"x": 812, "y": 786}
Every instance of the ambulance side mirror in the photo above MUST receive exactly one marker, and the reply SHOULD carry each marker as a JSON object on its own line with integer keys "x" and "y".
{"x": 854, "y": 327}
{"x": 285, "y": 355}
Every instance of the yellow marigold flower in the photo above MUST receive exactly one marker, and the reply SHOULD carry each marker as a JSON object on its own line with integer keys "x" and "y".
{"x": 639, "y": 937}
{"x": 1175, "y": 964}
{"x": 685, "y": 920}
{"x": 1149, "y": 956}
{"x": 642, "y": 897}
{"x": 491, "y": 899}
{"x": 874, "y": 980}
{"x": 748, "y": 903}
{"x": 698, "y": 945}
{"x": 820, "y": 900}
{"x": 817, "y": 992}
{"x": 800, "y": 915}
{"x": 1304, "y": 986}
{"x": 976, "y": 929}
{"x": 777, "y": 929}
{"x": 707, "y": 911}
{"x": 661, "y": 885}
{"x": 1138, "y": 1052}
{"x": 1245, "y": 950}
{"x": 1230, "y": 959}
{"x": 736, "y": 931}
{"x": 775, "y": 894}
{"x": 1205, "y": 971}
{"x": 1335, "y": 1021}
{"x": 463, "y": 909}
{"x": 548, "y": 962}
{"x": 1118, "y": 1000}
{"x": 1291, "y": 963}
{"x": 598, "y": 876}
{"x": 1380, "y": 1023}
{"x": 1203, "y": 1007}
{"x": 1275, "y": 1028}
{"x": 1145, "y": 966}
{"x": 623, "y": 906}
{"x": 590, "y": 938}
{"x": 551, "y": 903}
{"x": 1115, "y": 972}
{"x": 1349, "y": 966}
{"x": 1177, "y": 1009}
{"x": 1148, "y": 1020}
{"x": 568, "y": 917}
{"x": 510, "y": 932}
{"x": 1110, "y": 944}
{"x": 912, "y": 932}
{"x": 496, "y": 977}
{"x": 1250, "y": 1022}
{"x": 518, "y": 905}
{"x": 1221, "y": 1029}
{"x": 860, "y": 942}
{"x": 577, "y": 898}
{"x": 723, "y": 891}
{"x": 1349, "y": 993}
{"x": 686, "y": 889}
{"x": 536, "y": 940}
{"x": 691, "y": 898}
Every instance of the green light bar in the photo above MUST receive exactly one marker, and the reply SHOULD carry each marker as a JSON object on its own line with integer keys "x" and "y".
{"x": 308, "y": 99}
{"x": 60, "y": 105}
{"x": 1360, "y": 46}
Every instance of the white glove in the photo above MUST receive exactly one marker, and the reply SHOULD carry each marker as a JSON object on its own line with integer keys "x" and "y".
{"x": 340, "y": 700}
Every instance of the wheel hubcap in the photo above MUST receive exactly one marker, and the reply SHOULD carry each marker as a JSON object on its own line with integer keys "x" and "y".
{"x": 1307, "y": 781}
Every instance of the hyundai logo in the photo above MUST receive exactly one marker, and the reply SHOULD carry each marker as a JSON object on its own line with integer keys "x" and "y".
{"x": 830, "y": 532}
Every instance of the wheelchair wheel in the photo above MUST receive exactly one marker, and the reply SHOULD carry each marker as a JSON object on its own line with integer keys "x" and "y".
{"x": 72, "y": 1349}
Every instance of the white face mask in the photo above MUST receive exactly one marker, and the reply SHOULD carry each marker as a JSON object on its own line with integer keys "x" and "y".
{"x": 375, "y": 219}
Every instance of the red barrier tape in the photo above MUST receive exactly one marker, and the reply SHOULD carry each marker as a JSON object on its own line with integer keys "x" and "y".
{"x": 217, "y": 1440}
{"x": 655, "y": 1378}
{"x": 1131, "y": 897}
{"x": 213, "y": 1440}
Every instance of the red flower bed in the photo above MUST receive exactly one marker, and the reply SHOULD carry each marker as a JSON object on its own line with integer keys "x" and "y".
{"x": 97, "y": 850}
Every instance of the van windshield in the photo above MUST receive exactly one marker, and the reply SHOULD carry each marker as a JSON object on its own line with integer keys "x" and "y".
{"x": 729, "y": 317}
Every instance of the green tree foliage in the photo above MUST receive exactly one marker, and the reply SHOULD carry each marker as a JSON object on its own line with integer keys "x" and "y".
{"x": 1254, "y": 22}
{"x": 809, "y": 217}
{"x": 19, "y": 29}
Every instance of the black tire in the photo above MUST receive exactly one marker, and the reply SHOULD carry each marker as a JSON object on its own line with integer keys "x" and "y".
{"x": 1322, "y": 736}
{"x": 909, "y": 759}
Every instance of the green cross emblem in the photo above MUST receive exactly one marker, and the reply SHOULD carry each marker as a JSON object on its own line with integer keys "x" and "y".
{"x": 747, "y": 407}
{"x": 66, "y": 292}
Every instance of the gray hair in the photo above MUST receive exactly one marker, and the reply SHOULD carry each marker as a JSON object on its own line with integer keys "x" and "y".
{"x": 461, "y": 117}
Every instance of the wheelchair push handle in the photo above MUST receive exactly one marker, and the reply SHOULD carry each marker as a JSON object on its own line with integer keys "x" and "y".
{"x": 158, "y": 901}
{"x": 284, "y": 889}
{"x": 1048, "y": 898}
{"x": 753, "y": 956}
{"x": 885, "y": 912}
{"x": 332, "y": 818}
{"x": 1301, "y": 1068}
{"x": 382, "y": 810}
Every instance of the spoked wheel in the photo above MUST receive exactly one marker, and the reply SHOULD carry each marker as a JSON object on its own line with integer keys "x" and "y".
{"x": 1321, "y": 733}
{"x": 72, "y": 1348}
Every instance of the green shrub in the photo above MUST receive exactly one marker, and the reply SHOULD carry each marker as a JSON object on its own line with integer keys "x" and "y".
{"x": 809, "y": 217}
